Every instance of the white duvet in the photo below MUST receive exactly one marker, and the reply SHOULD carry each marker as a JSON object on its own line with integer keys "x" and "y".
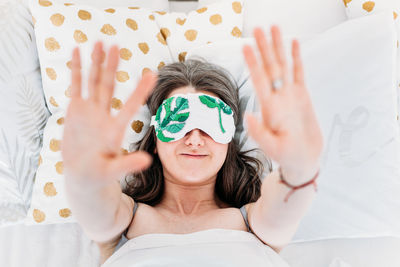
{"x": 213, "y": 247}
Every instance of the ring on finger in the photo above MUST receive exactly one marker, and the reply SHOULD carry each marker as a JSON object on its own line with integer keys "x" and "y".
{"x": 277, "y": 84}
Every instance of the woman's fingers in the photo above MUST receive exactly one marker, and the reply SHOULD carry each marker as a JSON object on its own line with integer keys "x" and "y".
{"x": 298, "y": 73}
{"x": 76, "y": 78}
{"x": 266, "y": 55}
{"x": 107, "y": 79}
{"x": 137, "y": 98}
{"x": 279, "y": 52}
{"x": 260, "y": 80}
{"x": 262, "y": 85}
{"x": 95, "y": 72}
{"x": 269, "y": 57}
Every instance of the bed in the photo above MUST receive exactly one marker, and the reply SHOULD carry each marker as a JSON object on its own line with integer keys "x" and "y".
{"x": 352, "y": 63}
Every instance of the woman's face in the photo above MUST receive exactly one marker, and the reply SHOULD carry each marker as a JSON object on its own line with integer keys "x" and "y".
{"x": 178, "y": 160}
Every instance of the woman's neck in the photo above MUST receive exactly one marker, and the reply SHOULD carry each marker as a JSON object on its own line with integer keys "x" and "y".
{"x": 189, "y": 200}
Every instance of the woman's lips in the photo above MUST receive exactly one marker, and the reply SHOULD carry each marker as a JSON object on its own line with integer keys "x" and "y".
{"x": 194, "y": 156}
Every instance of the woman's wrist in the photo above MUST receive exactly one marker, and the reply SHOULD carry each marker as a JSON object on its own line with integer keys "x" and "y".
{"x": 299, "y": 177}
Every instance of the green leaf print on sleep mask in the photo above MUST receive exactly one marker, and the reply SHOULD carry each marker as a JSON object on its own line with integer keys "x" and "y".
{"x": 182, "y": 113}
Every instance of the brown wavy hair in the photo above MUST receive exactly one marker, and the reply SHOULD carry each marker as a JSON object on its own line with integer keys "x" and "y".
{"x": 239, "y": 179}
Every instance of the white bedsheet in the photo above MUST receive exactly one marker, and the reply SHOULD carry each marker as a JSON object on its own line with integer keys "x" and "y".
{"x": 65, "y": 245}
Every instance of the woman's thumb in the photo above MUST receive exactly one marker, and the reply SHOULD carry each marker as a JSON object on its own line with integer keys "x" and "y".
{"x": 132, "y": 162}
{"x": 262, "y": 135}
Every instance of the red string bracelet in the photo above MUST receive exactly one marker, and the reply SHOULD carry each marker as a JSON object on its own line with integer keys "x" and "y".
{"x": 294, "y": 188}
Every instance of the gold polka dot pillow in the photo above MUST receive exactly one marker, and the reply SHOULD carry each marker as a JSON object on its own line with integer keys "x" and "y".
{"x": 360, "y": 8}
{"x": 59, "y": 28}
{"x": 215, "y": 22}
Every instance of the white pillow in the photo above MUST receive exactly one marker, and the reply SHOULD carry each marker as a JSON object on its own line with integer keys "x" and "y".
{"x": 209, "y": 23}
{"x": 23, "y": 112}
{"x": 349, "y": 72}
{"x": 59, "y": 28}
{"x": 302, "y": 19}
{"x": 360, "y": 8}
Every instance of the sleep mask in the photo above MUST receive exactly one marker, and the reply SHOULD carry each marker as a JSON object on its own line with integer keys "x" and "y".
{"x": 182, "y": 113}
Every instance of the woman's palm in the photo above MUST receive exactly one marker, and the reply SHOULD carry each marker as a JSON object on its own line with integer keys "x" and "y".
{"x": 91, "y": 146}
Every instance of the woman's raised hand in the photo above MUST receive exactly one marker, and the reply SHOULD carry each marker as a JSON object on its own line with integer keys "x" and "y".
{"x": 92, "y": 139}
{"x": 288, "y": 131}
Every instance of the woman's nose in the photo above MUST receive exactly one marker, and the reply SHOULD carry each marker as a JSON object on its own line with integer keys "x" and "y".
{"x": 194, "y": 138}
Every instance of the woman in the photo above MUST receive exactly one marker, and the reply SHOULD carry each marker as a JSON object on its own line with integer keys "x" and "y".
{"x": 195, "y": 193}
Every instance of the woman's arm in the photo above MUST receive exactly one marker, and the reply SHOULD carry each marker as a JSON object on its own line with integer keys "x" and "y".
{"x": 91, "y": 147}
{"x": 271, "y": 218}
{"x": 288, "y": 133}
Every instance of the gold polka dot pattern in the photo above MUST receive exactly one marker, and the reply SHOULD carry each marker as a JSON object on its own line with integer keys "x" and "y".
{"x": 236, "y": 32}
{"x": 67, "y": 92}
{"x": 144, "y": 47}
{"x": 116, "y": 103}
{"x": 132, "y": 24}
{"x": 137, "y": 126}
{"x": 59, "y": 167}
{"x": 125, "y": 53}
{"x": 201, "y": 10}
{"x": 65, "y": 213}
{"x": 80, "y": 37}
{"x": 182, "y": 56}
{"x": 191, "y": 35}
{"x": 216, "y": 19}
{"x": 369, "y": 6}
{"x": 84, "y": 15}
{"x": 108, "y": 29}
{"x": 60, "y": 121}
{"x": 162, "y": 64}
{"x": 161, "y": 39}
{"x": 346, "y": 2}
{"x": 165, "y": 33}
{"x": 38, "y": 215}
{"x": 53, "y": 102}
{"x": 237, "y": 7}
{"x": 222, "y": 20}
{"x": 57, "y": 19}
{"x": 122, "y": 76}
{"x": 55, "y": 145}
{"x": 60, "y": 27}
{"x": 45, "y": 3}
{"x": 51, "y": 73}
{"x": 49, "y": 189}
{"x": 51, "y": 44}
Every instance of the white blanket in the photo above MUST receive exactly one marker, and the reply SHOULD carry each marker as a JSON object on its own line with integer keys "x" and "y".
{"x": 213, "y": 247}
{"x": 65, "y": 245}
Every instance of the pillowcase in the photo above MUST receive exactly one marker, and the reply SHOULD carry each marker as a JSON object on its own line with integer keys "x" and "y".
{"x": 360, "y": 8}
{"x": 359, "y": 185}
{"x": 160, "y": 5}
{"x": 139, "y": 38}
{"x": 301, "y": 19}
{"x": 59, "y": 28}
{"x": 23, "y": 112}
{"x": 214, "y": 22}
